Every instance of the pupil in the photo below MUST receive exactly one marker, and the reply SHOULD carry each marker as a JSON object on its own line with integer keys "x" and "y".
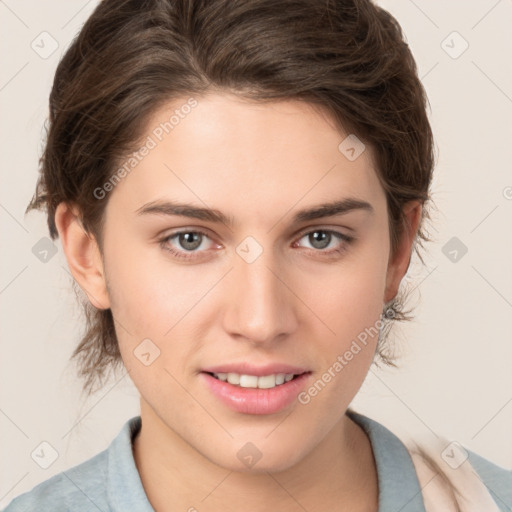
{"x": 190, "y": 240}
{"x": 324, "y": 237}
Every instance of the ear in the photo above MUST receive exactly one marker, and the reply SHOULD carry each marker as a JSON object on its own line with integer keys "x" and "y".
{"x": 83, "y": 255}
{"x": 399, "y": 262}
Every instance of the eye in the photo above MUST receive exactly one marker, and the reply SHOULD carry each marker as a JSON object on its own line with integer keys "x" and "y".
{"x": 187, "y": 244}
{"x": 322, "y": 239}
{"x": 186, "y": 241}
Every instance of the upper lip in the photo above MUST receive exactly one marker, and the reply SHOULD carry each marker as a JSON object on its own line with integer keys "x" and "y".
{"x": 245, "y": 368}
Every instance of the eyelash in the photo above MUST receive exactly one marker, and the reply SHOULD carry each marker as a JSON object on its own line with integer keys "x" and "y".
{"x": 184, "y": 255}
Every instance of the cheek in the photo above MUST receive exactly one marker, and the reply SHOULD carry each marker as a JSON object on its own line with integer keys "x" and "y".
{"x": 353, "y": 310}
{"x": 351, "y": 299}
{"x": 147, "y": 291}
{"x": 152, "y": 299}
{"x": 350, "y": 304}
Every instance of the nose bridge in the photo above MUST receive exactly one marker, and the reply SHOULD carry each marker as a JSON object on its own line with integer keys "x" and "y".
{"x": 261, "y": 307}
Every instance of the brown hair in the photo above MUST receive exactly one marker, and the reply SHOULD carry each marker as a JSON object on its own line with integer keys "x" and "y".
{"x": 131, "y": 57}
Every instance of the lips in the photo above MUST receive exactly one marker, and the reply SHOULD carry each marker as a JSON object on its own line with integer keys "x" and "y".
{"x": 251, "y": 389}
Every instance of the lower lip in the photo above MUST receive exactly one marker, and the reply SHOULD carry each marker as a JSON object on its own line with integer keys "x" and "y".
{"x": 255, "y": 400}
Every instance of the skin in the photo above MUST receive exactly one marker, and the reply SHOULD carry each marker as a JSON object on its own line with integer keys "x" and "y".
{"x": 260, "y": 164}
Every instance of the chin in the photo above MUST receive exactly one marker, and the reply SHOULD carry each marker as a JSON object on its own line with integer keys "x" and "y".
{"x": 247, "y": 457}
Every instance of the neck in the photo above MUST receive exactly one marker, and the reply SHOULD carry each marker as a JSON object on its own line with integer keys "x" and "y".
{"x": 340, "y": 473}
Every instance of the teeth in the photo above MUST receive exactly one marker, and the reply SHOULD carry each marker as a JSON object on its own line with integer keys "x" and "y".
{"x": 248, "y": 381}
{"x": 266, "y": 382}
{"x": 233, "y": 378}
{"x": 253, "y": 381}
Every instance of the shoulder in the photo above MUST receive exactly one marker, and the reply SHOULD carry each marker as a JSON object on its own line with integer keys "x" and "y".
{"x": 107, "y": 481}
{"x": 454, "y": 473}
{"x": 497, "y": 479}
{"x": 436, "y": 472}
{"x": 81, "y": 487}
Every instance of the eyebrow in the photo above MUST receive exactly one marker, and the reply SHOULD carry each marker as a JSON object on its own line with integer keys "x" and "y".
{"x": 333, "y": 208}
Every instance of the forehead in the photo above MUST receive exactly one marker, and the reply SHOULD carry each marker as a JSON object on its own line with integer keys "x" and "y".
{"x": 220, "y": 150}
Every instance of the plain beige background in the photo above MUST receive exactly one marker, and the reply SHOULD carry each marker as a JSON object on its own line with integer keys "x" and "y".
{"x": 455, "y": 378}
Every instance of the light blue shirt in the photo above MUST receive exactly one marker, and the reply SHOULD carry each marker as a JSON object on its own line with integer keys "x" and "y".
{"x": 109, "y": 481}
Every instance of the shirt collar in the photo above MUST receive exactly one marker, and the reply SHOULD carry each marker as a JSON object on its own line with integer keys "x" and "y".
{"x": 399, "y": 488}
{"x": 124, "y": 486}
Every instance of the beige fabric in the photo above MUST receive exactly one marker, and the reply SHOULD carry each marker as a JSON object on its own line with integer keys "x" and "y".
{"x": 448, "y": 481}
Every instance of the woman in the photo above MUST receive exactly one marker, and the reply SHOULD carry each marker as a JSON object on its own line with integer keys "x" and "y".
{"x": 238, "y": 187}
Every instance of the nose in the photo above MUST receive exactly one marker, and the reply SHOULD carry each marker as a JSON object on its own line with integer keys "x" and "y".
{"x": 261, "y": 307}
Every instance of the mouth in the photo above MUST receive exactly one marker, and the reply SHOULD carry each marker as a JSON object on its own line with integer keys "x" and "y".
{"x": 254, "y": 381}
{"x": 265, "y": 393}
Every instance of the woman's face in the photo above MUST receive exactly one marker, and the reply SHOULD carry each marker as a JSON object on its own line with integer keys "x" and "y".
{"x": 268, "y": 290}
